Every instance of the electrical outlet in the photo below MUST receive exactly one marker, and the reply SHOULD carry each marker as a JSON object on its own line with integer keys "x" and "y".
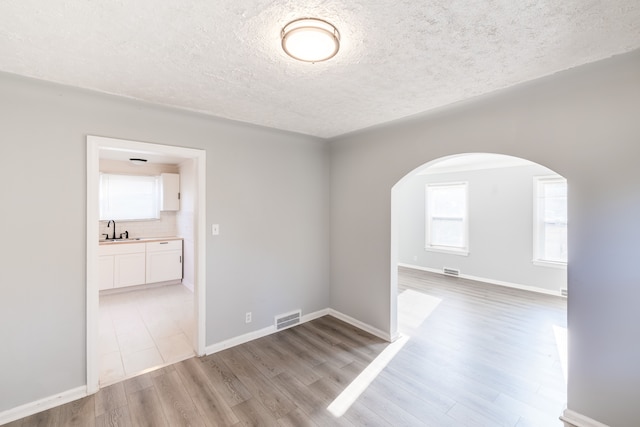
{"x": 247, "y": 317}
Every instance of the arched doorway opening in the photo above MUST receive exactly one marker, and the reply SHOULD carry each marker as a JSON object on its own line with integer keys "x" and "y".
{"x": 479, "y": 242}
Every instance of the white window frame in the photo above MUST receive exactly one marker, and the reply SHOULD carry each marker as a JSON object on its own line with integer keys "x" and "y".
{"x": 103, "y": 211}
{"x": 456, "y": 250}
{"x": 538, "y": 182}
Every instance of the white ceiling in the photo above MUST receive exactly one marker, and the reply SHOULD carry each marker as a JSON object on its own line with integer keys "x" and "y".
{"x": 398, "y": 57}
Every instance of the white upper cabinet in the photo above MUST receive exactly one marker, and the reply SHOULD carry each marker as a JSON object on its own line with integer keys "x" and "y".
{"x": 169, "y": 192}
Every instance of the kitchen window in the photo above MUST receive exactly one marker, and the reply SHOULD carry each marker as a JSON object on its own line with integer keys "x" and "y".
{"x": 129, "y": 197}
{"x": 447, "y": 225}
{"x": 550, "y": 221}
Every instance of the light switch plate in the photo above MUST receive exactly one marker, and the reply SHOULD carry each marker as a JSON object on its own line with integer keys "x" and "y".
{"x": 215, "y": 229}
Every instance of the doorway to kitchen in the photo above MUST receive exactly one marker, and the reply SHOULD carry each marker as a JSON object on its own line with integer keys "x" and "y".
{"x": 145, "y": 304}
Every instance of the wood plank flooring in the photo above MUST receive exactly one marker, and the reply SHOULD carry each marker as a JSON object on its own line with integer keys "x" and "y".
{"x": 473, "y": 355}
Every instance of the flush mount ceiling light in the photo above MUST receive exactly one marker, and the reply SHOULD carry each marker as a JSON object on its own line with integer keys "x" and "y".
{"x": 138, "y": 162}
{"x": 310, "y": 40}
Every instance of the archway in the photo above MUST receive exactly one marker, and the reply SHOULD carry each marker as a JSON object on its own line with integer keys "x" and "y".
{"x": 511, "y": 232}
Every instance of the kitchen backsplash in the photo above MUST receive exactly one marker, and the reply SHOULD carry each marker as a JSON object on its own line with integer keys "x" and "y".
{"x": 166, "y": 226}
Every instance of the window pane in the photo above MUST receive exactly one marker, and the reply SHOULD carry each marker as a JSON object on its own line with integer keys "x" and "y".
{"x": 447, "y": 232}
{"x": 128, "y": 197}
{"x": 555, "y": 242}
{"x": 552, "y": 220}
{"x": 448, "y": 201}
{"x": 555, "y": 202}
{"x": 446, "y": 215}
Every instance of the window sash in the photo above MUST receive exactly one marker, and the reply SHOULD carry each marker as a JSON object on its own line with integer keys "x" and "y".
{"x": 550, "y": 231}
{"x": 446, "y": 217}
{"x": 129, "y": 197}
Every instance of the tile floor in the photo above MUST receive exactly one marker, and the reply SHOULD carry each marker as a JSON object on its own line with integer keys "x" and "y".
{"x": 144, "y": 329}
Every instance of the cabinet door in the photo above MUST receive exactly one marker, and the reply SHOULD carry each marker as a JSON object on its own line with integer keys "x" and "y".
{"x": 170, "y": 185}
{"x": 129, "y": 269}
{"x": 105, "y": 271}
{"x": 164, "y": 265}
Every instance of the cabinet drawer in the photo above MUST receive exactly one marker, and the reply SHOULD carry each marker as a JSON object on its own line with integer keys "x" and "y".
{"x": 121, "y": 248}
{"x": 165, "y": 245}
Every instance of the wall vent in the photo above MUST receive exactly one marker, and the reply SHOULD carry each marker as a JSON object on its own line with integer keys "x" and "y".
{"x": 451, "y": 271}
{"x": 287, "y": 320}
{"x": 564, "y": 292}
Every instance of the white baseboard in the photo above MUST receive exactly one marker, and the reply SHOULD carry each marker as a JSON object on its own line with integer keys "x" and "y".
{"x": 574, "y": 419}
{"x": 188, "y": 285}
{"x": 232, "y": 342}
{"x": 315, "y": 315}
{"x": 241, "y": 339}
{"x": 361, "y": 325}
{"x": 490, "y": 281}
{"x": 42, "y": 404}
{"x": 134, "y": 288}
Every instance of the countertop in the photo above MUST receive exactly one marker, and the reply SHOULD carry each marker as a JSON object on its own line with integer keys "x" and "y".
{"x": 138, "y": 240}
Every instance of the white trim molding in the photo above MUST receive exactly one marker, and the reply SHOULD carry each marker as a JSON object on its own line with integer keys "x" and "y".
{"x": 538, "y": 220}
{"x": 429, "y": 215}
{"x": 42, "y": 405}
{"x": 490, "y": 281}
{"x": 254, "y": 335}
{"x": 364, "y": 326}
{"x": 188, "y": 285}
{"x": 241, "y": 339}
{"x": 198, "y": 156}
{"x": 574, "y": 419}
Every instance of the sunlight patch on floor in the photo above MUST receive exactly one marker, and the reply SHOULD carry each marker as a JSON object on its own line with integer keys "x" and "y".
{"x": 561, "y": 342}
{"x": 349, "y": 395}
{"x": 413, "y": 309}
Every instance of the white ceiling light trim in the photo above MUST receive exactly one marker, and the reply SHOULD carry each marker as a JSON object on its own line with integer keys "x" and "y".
{"x": 310, "y": 40}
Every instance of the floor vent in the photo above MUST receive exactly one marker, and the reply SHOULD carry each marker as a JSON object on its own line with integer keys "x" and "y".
{"x": 289, "y": 319}
{"x": 451, "y": 271}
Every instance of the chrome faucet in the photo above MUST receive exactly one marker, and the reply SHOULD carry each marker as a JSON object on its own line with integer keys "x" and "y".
{"x": 114, "y": 228}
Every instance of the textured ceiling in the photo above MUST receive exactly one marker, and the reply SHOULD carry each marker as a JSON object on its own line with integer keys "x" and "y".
{"x": 223, "y": 57}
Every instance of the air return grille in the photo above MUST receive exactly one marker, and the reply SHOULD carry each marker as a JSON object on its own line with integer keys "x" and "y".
{"x": 288, "y": 319}
{"x": 451, "y": 271}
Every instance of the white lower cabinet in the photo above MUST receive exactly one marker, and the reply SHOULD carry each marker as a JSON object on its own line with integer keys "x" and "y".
{"x": 130, "y": 264}
{"x": 121, "y": 265}
{"x": 164, "y": 261}
{"x": 129, "y": 270}
{"x": 105, "y": 271}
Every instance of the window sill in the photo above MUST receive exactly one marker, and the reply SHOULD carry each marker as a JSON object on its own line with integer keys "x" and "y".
{"x": 552, "y": 264}
{"x": 450, "y": 251}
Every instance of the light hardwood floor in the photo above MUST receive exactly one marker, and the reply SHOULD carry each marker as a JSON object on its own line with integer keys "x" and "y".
{"x": 471, "y": 355}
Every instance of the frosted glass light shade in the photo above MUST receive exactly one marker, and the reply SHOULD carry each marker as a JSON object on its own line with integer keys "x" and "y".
{"x": 310, "y": 40}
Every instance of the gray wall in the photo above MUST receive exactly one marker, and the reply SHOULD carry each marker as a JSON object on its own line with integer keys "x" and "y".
{"x": 268, "y": 190}
{"x": 500, "y": 227}
{"x": 584, "y": 125}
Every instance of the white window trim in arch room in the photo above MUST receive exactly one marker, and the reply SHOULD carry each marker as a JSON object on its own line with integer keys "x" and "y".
{"x": 539, "y": 202}
{"x": 430, "y": 245}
